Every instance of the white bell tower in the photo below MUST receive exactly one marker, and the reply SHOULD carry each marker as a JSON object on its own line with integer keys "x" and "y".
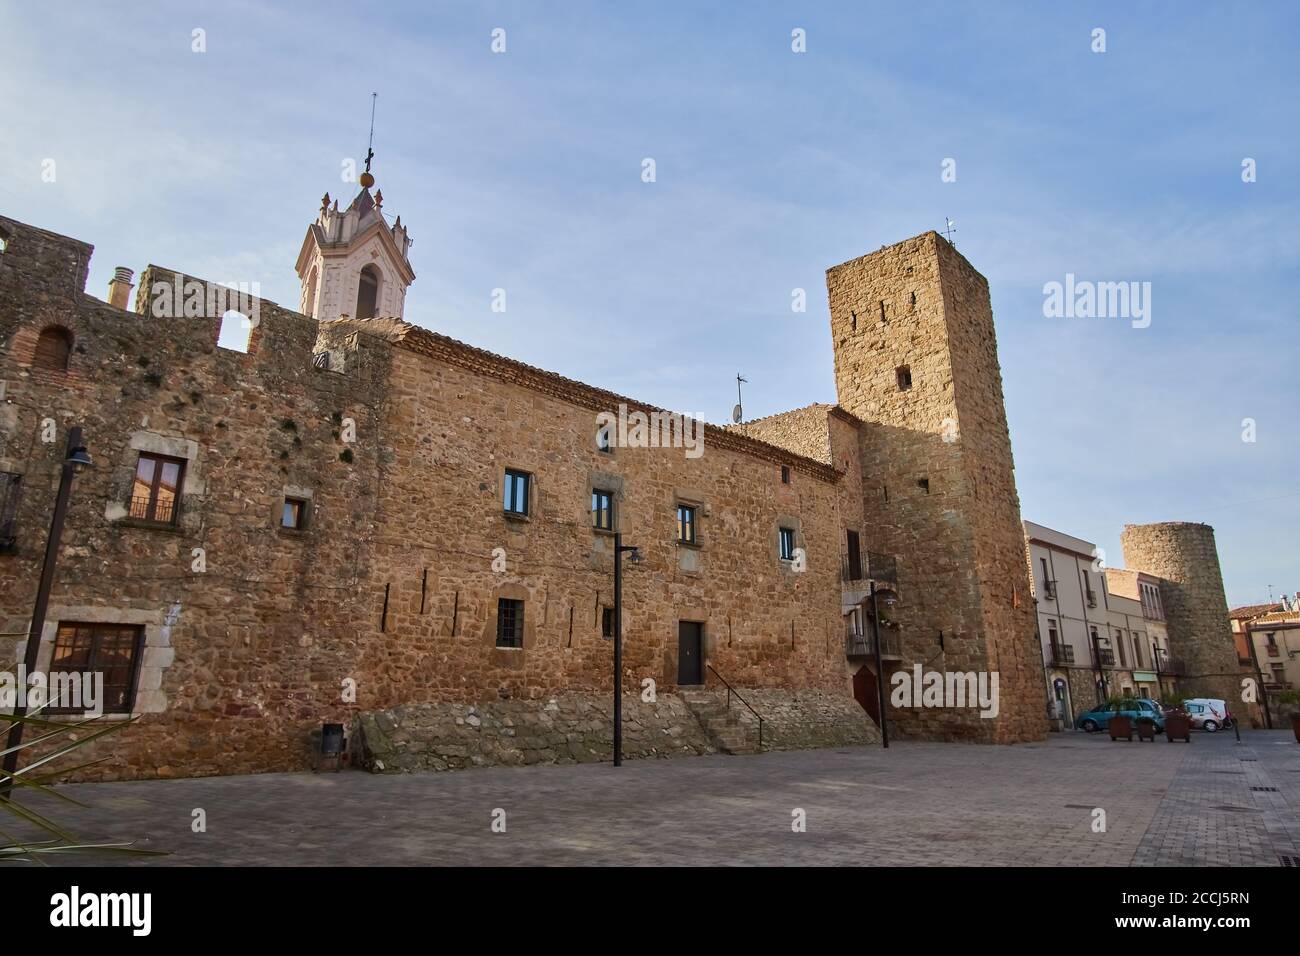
{"x": 354, "y": 263}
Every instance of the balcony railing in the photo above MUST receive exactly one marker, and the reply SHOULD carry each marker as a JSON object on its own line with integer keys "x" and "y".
{"x": 1273, "y": 650}
{"x": 1092, "y": 598}
{"x": 1061, "y": 655}
{"x": 868, "y": 565}
{"x": 1171, "y": 665}
{"x": 163, "y": 511}
{"x": 857, "y": 646}
{"x": 1049, "y": 590}
{"x": 1106, "y": 657}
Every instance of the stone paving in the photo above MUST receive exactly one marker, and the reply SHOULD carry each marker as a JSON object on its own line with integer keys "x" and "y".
{"x": 925, "y": 804}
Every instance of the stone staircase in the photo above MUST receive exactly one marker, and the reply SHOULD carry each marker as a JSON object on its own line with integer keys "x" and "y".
{"x": 723, "y": 726}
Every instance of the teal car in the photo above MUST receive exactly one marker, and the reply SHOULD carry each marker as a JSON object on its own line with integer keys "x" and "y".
{"x": 1134, "y": 708}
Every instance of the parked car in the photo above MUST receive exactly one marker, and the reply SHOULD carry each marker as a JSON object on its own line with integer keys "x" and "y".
{"x": 1208, "y": 713}
{"x": 1133, "y": 708}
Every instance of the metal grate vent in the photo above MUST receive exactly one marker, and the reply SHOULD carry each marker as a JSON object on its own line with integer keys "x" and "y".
{"x": 1264, "y": 789}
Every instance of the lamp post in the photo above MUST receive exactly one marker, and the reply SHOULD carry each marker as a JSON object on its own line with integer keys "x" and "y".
{"x": 880, "y": 667}
{"x": 634, "y": 555}
{"x": 76, "y": 457}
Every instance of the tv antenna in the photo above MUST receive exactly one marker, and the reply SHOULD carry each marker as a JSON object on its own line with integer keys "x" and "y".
{"x": 738, "y": 412}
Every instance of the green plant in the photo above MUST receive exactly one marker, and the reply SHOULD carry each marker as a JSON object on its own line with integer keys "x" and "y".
{"x": 61, "y": 739}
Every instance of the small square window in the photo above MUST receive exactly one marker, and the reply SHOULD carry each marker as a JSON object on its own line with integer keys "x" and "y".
{"x": 924, "y": 485}
{"x": 602, "y": 510}
{"x": 785, "y": 544}
{"x": 607, "y": 622}
{"x": 510, "y": 623}
{"x": 294, "y": 514}
{"x": 517, "y": 488}
{"x": 785, "y": 474}
{"x": 686, "y": 524}
{"x": 904, "y": 375}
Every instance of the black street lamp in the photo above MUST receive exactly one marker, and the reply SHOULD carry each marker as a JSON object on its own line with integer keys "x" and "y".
{"x": 889, "y": 601}
{"x": 76, "y": 458}
{"x": 634, "y": 555}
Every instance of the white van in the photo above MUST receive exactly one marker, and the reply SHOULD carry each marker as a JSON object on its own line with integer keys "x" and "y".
{"x": 1207, "y": 713}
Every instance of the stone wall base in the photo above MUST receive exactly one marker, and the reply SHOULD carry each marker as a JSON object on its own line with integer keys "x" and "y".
{"x": 576, "y": 728}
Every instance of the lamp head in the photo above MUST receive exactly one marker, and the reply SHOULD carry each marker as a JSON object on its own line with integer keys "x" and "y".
{"x": 81, "y": 458}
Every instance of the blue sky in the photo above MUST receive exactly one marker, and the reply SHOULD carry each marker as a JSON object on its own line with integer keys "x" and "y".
{"x": 522, "y": 171}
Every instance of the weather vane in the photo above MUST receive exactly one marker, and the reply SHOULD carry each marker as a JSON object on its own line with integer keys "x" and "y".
{"x": 947, "y": 231}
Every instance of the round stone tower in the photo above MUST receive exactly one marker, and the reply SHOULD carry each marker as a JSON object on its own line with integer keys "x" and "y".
{"x": 1183, "y": 553}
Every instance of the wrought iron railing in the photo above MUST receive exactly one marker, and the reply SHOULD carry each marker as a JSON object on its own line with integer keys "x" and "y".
{"x": 731, "y": 691}
{"x": 1106, "y": 657}
{"x": 1061, "y": 655}
{"x": 868, "y": 565}
{"x": 863, "y": 645}
{"x": 1170, "y": 665}
{"x": 163, "y": 511}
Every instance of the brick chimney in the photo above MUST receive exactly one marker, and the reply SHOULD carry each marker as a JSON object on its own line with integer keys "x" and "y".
{"x": 119, "y": 287}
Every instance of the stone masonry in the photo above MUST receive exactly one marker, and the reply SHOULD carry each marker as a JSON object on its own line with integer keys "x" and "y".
{"x": 916, "y": 364}
{"x": 385, "y": 599}
{"x": 1184, "y": 554}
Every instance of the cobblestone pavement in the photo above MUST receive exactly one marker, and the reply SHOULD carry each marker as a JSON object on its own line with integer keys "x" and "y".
{"x": 915, "y": 804}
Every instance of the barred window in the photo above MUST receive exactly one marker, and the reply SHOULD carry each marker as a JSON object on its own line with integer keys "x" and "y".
{"x": 510, "y": 623}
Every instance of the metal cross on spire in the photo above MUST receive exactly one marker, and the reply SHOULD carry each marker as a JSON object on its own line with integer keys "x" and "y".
{"x": 370, "y": 146}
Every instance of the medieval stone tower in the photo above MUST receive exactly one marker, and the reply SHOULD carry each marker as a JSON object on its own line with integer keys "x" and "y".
{"x": 353, "y": 263}
{"x": 1184, "y": 554}
{"x": 916, "y": 361}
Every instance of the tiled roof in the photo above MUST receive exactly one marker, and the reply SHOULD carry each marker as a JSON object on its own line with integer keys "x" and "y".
{"x": 480, "y": 361}
{"x": 1251, "y": 610}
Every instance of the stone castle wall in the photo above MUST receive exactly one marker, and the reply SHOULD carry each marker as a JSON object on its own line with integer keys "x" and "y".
{"x": 915, "y": 361}
{"x": 1185, "y": 556}
{"x": 242, "y": 656}
{"x": 575, "y": 728}
{"x": 387, "y": 598}
{"x": 391, "y": 585}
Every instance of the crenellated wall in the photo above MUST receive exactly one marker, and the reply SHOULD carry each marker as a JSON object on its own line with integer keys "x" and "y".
{"x": 254, "y": 633}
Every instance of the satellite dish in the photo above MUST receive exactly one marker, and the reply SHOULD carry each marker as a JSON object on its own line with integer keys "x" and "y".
{"x": 735, "y": 414}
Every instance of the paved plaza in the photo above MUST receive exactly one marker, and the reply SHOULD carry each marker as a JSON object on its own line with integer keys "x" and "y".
{"x": 1214, "y": 802}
